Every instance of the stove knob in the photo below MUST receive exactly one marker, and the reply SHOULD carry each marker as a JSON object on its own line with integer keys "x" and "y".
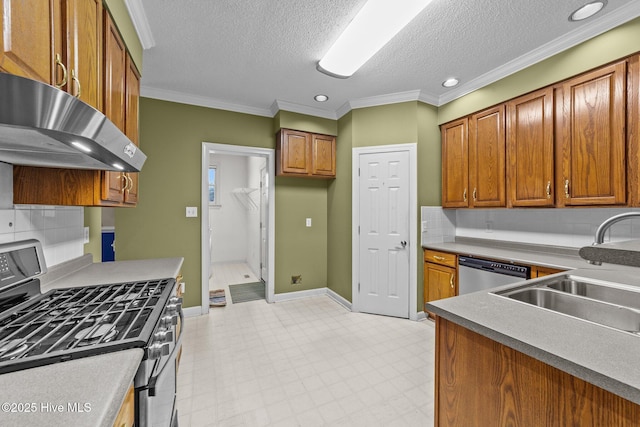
{"x": 157, "y": 350}
{"x": 163, "y": 336}
{"x": 172, "y": 309}
{"x": 168, "y": 321}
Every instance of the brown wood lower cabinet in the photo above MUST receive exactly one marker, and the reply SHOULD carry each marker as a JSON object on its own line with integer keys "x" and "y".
{"x": 480, "y": 382}
{"x": 126, "y": 415}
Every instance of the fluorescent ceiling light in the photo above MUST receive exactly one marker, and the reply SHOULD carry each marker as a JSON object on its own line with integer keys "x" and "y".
{"x": 587, "y": 11}
{"x": 376, "y": 23}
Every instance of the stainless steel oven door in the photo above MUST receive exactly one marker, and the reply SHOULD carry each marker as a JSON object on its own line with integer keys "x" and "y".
{"x": 156, "y": 401}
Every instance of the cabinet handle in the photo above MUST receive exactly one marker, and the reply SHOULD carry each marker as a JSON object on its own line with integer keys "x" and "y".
{"x": 439, "y": 258}
{"x": 75, "y": 79}
{"x": 129, "y": 185}
{"x": 64, "y": 72}
{"x": 123, "y": 177}
{"x": 566, "y": 188}
{"x": 548, "y": 189}
{"x": 464, "y": 195}
{"x": 475, "y": 194}
{"x": 451, "y": 280}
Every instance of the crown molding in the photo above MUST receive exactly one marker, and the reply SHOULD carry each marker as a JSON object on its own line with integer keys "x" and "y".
{"x": 616, "y": 18}
{"x": 301, "y": 109}
{"x": 201, "y": 101}
{"x": 140, "y": 23}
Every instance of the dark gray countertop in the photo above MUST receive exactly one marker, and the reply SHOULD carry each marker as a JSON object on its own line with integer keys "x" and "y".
{"x": 602, "y": 356}
{"x": 101, "y": 381}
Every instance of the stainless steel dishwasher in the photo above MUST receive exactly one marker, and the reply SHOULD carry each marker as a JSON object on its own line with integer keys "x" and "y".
{"x": 477, "y": 274}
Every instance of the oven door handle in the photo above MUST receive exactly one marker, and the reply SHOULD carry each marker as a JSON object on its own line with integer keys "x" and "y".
{"x": 154, "y": 379}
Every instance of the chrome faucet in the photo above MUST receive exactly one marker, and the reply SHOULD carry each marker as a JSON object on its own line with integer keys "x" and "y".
{"x": 599, "y": 238}
{"x": 609, "y": 222}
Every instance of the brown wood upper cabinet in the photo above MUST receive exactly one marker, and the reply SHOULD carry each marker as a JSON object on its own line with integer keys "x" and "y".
{"x": 57, "y": 42}
{"x": 75, "y": 187}
{"x": 591, "y": 139}
{"x": 455, "y": 163}
{"x": 305, "y": 154}
{"x": 473, "y": 160}
{"x": 121, "y": 98}
{"x": 530, "y": 165}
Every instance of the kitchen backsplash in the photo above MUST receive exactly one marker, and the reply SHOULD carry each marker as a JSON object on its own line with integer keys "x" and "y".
{"x": 557, "y": 227}
{"x": 59, "y": 229}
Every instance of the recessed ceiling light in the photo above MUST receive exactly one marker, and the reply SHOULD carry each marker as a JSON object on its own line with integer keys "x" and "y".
{"x": 588, "y": 10}
{"x": 321, "y": 98}
{"x": 450, "y": 82}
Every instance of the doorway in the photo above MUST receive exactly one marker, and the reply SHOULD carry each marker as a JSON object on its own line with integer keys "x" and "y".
{"x": 237, "y": 220}
{"x": 385, "y": 239}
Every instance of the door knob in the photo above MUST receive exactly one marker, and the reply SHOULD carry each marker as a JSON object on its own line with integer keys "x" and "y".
{"x": 404, "y": 243}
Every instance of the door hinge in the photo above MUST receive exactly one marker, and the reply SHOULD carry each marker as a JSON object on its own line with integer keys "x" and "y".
{"x": 358, "y": 171}
{"x": 358, "y": 230}
{"x": 358, "y": 287}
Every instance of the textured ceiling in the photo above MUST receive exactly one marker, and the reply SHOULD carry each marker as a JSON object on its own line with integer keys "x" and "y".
{"x": 254, "y": 56}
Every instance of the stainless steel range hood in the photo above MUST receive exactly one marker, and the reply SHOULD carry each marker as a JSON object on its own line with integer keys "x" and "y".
{"x": 41, "y": 125}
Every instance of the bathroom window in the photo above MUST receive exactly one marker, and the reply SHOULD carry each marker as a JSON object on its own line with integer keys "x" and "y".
{"x": 213, "y": 186}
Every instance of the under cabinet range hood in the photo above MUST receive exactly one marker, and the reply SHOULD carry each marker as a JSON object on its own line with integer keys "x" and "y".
{"x": 41, "y": 125}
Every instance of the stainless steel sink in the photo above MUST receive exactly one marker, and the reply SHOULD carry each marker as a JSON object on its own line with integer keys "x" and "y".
{"x": 606, "y": 304}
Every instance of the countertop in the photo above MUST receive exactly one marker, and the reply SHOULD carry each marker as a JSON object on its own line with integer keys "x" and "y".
{"x": 559, "y": 257}
{"x": 83, "y": 392}
{"x": 99, "y": 381}
{"x": 605, "y": 357}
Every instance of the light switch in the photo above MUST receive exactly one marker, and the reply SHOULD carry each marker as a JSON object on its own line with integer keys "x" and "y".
{"x": 192, "y": 211}
{"x": 85, "y": 237}
{"x": 308, "y": 222}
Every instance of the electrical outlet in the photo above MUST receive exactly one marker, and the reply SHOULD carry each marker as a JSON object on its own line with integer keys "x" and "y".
{"x": 192, "y": 211}
{"x": 424, "y": 227}
{"x": 85, "y": 237}
{"x": 489, "y": 228}
{"x": 308, "y": 222}
{"x": 296, "y": 280}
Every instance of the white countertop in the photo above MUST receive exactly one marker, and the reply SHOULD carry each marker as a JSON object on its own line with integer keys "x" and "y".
{"x": 100, "y": 381}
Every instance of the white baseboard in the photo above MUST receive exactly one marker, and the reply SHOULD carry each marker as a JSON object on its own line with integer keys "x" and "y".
{"x": 192, "y": 311}
{"x": 339, "y": 298}
{"x": 299, "y": 294}
{"x": 421, "y": 316}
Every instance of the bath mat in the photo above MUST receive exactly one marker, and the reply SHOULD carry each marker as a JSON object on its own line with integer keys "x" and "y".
{"x": 217, "y": 298}
{"x": 244, "y": 292}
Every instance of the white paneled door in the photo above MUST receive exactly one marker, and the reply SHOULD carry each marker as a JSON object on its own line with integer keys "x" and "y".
{"x": 384, "y": 233}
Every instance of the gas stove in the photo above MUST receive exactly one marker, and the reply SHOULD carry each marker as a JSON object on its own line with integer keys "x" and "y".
{"x": 69, "y": 323}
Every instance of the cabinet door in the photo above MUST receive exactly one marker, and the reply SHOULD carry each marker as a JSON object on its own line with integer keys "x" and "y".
{"x": 84, "y": 38}
{"x": 530, "y": 165}
{"x": 439, "y": 281}
{"x": 132, "y": 88}
{"x": 30, "y": 31}
{"x": 487, "y": 158}
{"x": 295, "y": 151}
{"x": 323, "y": 155}
{"x": 113, "y": 187}
{"x": 455, "y": 164}
{"x": 633, "y": 131}
{"x": 592, "y": 139}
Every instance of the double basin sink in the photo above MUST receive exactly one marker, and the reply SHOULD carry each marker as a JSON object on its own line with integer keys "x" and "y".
{"x": 605, "y": 303}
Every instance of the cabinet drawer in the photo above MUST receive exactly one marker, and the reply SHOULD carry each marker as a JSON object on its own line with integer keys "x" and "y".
{"x": 438, "y": 257}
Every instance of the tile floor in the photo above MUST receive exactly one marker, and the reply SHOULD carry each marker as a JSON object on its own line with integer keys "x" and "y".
{"x": 230, "y": 273}
{"x": 305, "y": 362}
